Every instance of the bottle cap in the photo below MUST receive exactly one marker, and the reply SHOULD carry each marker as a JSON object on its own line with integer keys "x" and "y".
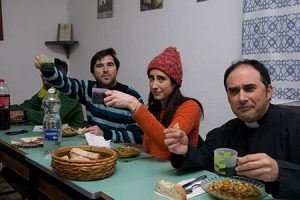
{"x": 51, "y": 90}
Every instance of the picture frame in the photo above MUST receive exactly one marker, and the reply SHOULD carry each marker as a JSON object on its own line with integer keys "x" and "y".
{"x": 150, "y": 4}
{"x": 64, "y": 32}
{"x": 104, "y": 9}
{"x": 1, "y": 24}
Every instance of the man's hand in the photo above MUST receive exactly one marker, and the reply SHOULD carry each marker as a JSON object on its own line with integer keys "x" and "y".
{"x": 17, "y": 114}
{"x": 37, "y": 63}
{"x": 37, "y": 60}
{"x": 94, "y": 130}
{"x": 176, "y": 141}
{"x": 258, "y": 166}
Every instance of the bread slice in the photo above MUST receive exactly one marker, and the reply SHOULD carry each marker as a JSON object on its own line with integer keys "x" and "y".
{"x": 79, "y": 158}
{"x": 87, "y": 154}
{"x": 172, "y": 190}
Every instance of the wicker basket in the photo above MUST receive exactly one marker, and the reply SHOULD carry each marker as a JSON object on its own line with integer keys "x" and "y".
{"x": 84, "y": 170}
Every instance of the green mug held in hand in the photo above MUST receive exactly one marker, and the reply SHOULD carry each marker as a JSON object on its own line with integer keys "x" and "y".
{"x": 46, "y": 62}
{"x": 225, "y": 161}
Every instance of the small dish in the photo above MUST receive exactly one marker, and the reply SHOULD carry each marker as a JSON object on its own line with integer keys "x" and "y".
{"x": 139, "y": 146}
{"x": 233, "y": 188}
{"x": 35, "y": 142}
{"x": 126, "y": 151}
{"x": 68, "y": 132}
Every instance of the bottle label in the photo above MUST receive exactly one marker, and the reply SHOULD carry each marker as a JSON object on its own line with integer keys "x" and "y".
{"x": 52, "y": 134}
{"x": 4, "y": 102}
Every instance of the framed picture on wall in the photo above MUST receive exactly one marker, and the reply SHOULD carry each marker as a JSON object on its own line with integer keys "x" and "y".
{"x": 151, "y": 4}
{"x": 1, "y": 24}
{"x": 105, "y": 9}
{"x": 64, "y": 32}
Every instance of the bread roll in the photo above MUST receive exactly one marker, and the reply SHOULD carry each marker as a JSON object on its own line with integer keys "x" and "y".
{"x": 172, "y": 190}
{"x": 87, "y": 154}
{"x": 66, "y": 157}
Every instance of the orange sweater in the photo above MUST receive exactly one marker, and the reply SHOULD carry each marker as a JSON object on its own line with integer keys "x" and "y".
{"x": 188, "y": 118}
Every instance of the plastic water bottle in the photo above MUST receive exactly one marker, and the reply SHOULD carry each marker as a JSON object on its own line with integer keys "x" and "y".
{"x": 4, "y": 106}
{"x": 52, "y": 122}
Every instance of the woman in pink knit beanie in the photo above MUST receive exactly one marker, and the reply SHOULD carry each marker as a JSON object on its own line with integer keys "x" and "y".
{"x": 167, "y": 107}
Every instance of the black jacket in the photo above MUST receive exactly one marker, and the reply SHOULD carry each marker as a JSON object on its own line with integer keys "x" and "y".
{"x": 278, "y": 135}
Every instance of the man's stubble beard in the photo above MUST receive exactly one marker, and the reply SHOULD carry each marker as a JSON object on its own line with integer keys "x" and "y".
{"x": 112, "y": 83}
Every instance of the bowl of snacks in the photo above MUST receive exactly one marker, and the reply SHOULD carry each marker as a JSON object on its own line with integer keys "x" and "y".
{"x": 126, "y": 151}
{"x": 67, "y": 132}
{"x": 233, "y": 188}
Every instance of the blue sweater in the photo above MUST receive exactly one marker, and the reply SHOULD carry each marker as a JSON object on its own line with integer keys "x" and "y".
{"x": 116, "y": 123}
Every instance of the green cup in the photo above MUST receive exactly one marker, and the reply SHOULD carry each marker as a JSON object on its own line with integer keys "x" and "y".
{"x": 225, "y": 161}
{"x": 46, "y": 62}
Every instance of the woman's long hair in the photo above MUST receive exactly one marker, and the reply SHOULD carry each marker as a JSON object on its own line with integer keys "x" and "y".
{"x": 175, "y": 100}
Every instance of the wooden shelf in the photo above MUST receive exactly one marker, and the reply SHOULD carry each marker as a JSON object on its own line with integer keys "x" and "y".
{"x": 67, "y": 45}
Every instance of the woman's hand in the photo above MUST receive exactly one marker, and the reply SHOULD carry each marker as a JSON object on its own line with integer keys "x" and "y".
{"x": 119, "y": 99}
{"x": 176, "y": 141}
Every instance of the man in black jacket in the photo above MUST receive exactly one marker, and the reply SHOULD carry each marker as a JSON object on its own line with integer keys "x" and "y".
{"x": 265, "y": 136}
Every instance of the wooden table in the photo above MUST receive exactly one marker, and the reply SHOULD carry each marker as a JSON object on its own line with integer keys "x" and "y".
{"x": 15, "y": 158}
{"x": 131, "y": 180}
{"x": 134, "y": 179}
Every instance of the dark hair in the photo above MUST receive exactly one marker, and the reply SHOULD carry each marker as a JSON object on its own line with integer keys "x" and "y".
{"x": 175, "y": 100}
{"x": 258, "y": 66}
{"x": 100, "y": 54}
{"x": 61, "y": 66}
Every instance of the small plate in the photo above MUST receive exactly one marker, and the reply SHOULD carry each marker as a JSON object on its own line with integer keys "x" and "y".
{"x": 68, "y": 132}
{"x": 38, "y": 142}
{"x": 139, "y": 146}
{"x": 231, "y": 188}
{"x": 126, "y": 151}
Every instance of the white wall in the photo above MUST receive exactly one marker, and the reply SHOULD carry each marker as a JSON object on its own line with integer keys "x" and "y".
{"x": 208, "y": 35}
{"x": 27, "y": 25}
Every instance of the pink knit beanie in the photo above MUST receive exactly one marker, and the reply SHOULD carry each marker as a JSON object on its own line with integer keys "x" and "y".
{"x": 169, "y": 62}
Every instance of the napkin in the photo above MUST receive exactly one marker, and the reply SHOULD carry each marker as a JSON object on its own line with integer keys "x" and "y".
{"x": 37, "y": 128}
{"x": 95, "y": 140}
{"x": 196, "y": 191}
{"x": 29, "y": 139}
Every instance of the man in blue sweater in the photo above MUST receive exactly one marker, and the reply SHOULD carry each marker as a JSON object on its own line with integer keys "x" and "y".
{"x": 113, "y": 123}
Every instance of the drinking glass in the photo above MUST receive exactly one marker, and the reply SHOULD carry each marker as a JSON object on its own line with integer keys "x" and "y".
{"x": 225, "y": 161}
